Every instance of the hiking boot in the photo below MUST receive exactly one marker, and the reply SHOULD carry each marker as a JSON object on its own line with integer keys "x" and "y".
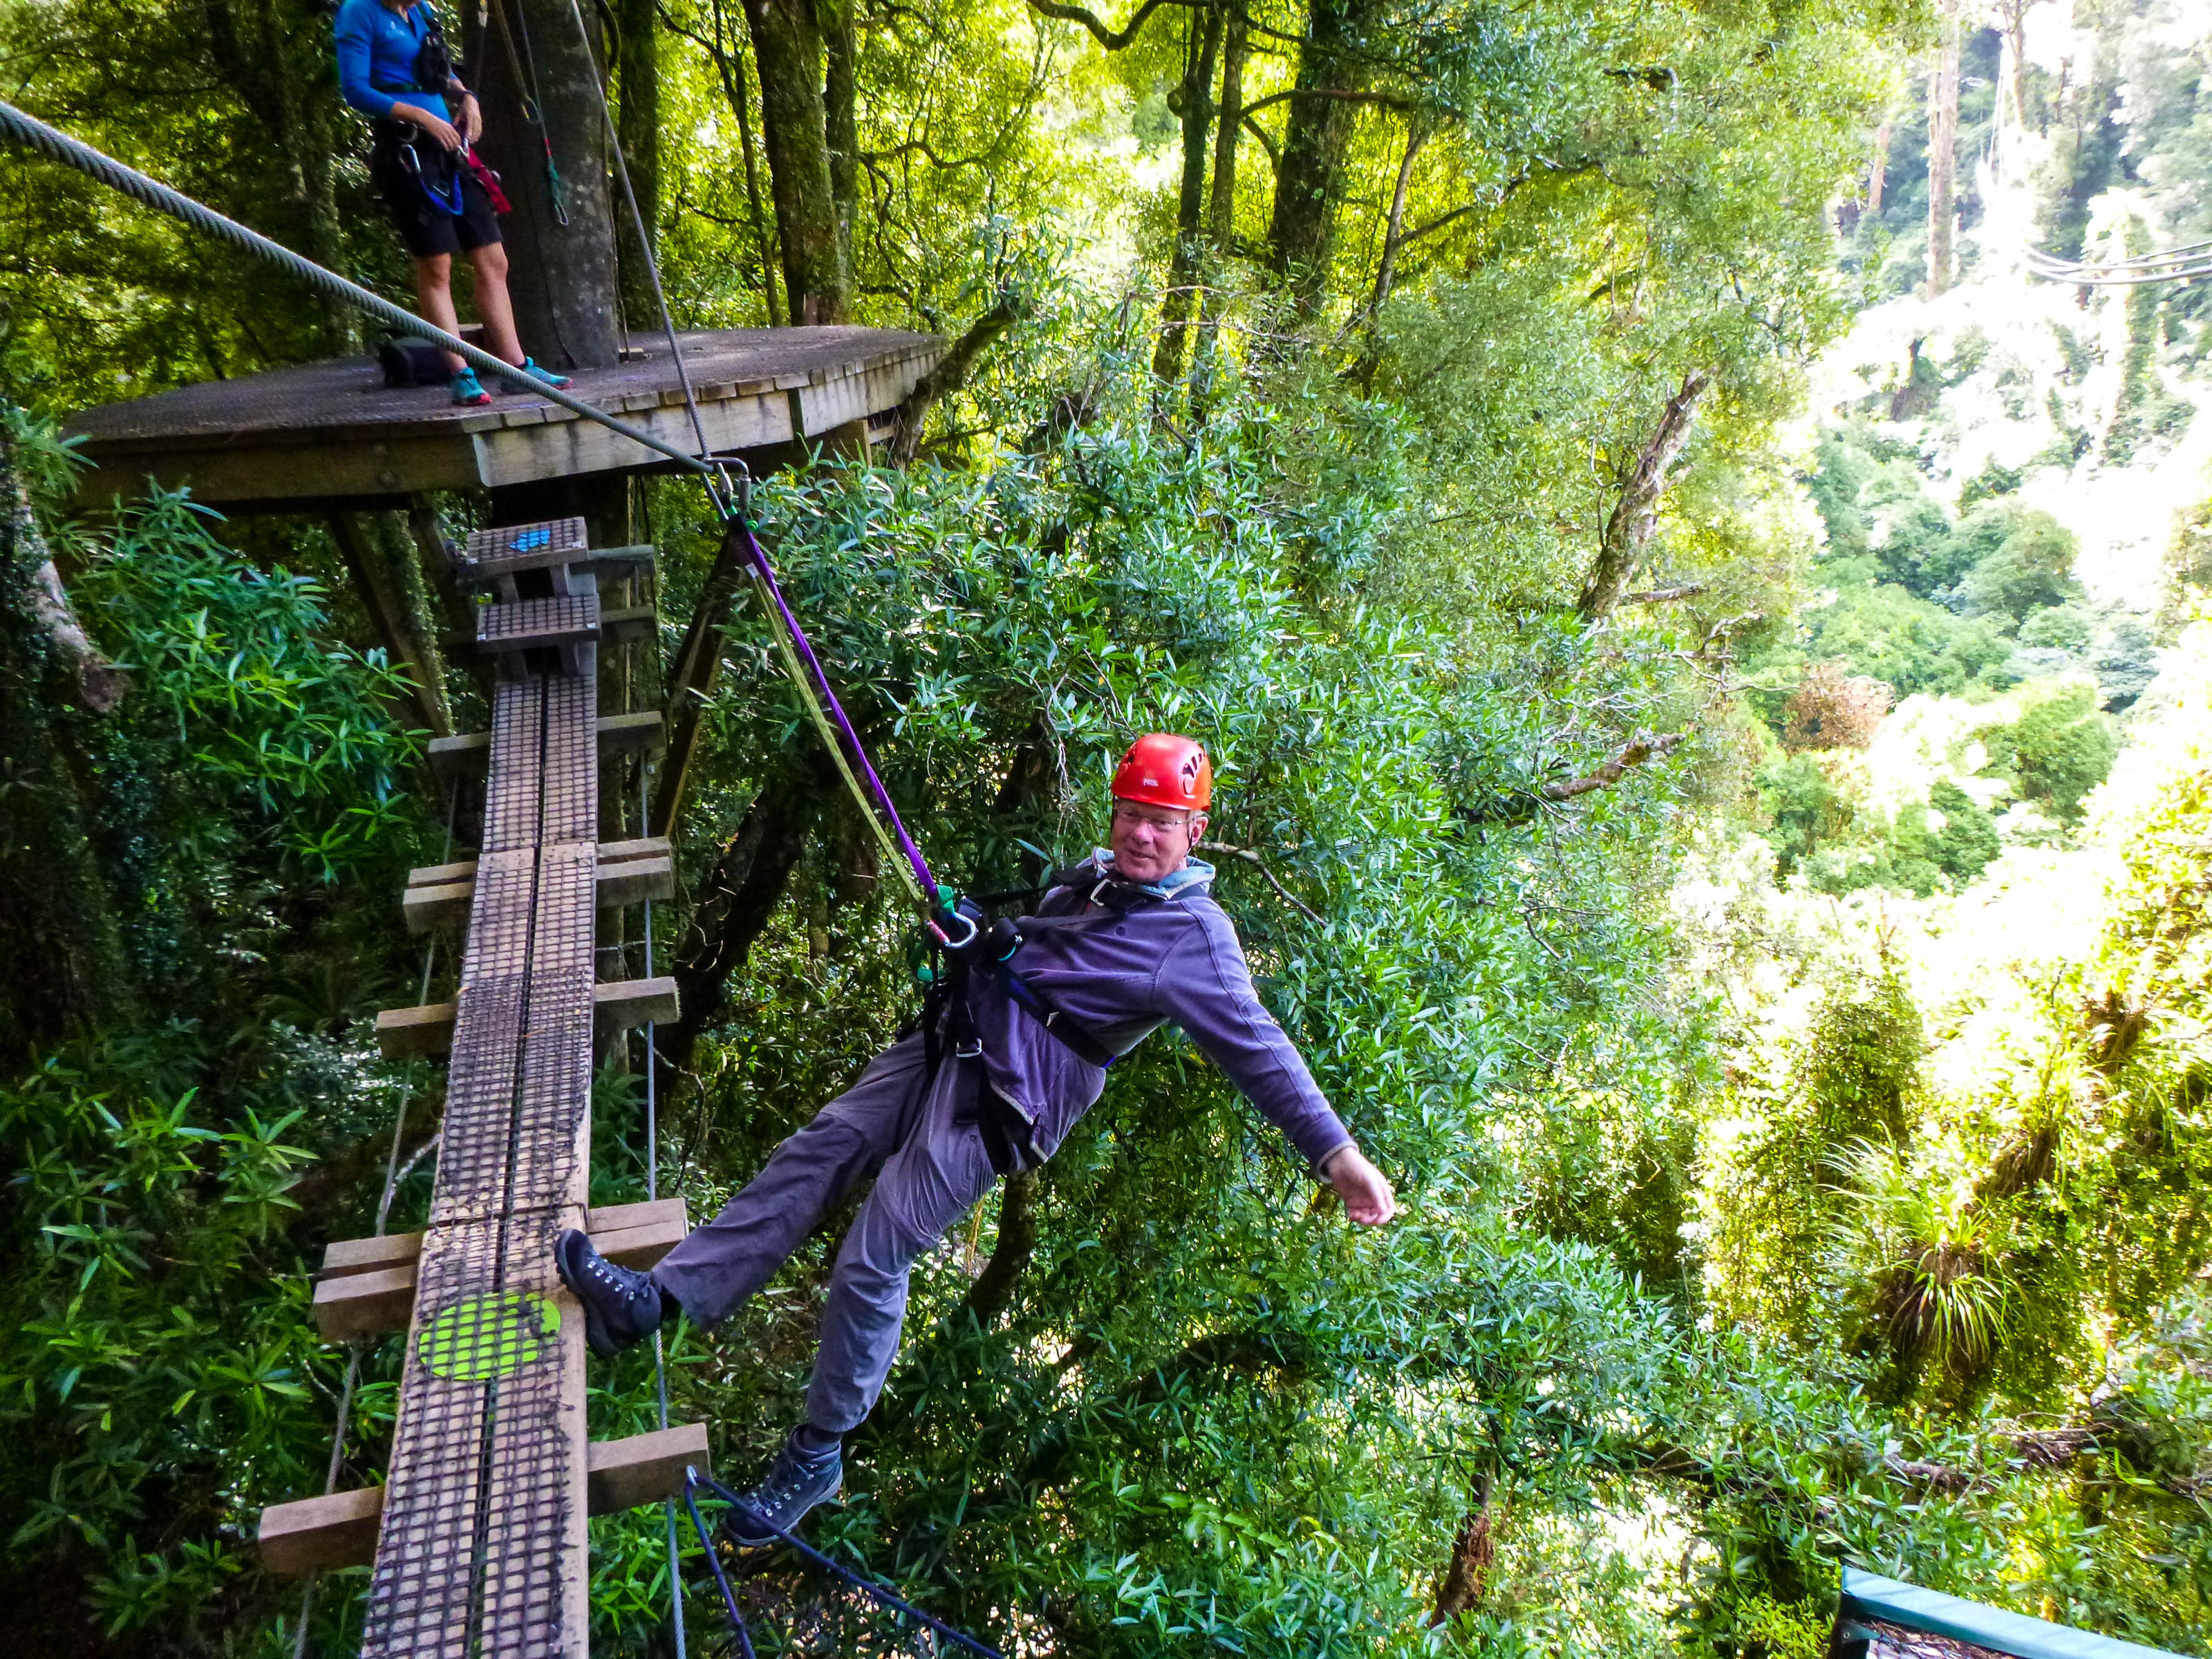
{"x": 467, "y": 389}
{"x": 532, "y": 375}
{"x": 621, "y": 1306}
{"x": 794, "y": 1483}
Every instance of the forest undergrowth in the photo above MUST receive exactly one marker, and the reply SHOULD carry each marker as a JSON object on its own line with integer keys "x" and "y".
{"x": 1725, "y": 856}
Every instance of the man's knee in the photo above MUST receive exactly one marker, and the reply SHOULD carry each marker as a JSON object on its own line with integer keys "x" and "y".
{"x": 434, "y": 270}
{"x": 490, "y": 261}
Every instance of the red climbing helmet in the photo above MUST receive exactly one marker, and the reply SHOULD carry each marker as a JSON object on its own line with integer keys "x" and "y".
{"x": 1162, "y": 769}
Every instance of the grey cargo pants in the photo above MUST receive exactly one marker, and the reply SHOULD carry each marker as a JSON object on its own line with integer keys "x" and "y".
{"x": 929, "y": 1171}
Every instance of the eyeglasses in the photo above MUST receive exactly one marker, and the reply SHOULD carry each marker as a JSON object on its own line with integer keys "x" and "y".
{"x": 1129, "y": 814}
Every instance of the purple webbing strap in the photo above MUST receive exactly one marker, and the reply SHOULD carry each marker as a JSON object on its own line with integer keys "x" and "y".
{"x": 759, "y": 556}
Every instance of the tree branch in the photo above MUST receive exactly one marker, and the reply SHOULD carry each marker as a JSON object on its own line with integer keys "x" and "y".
{"x": 1112, "y": 39}
{"x": 1642, "y": 749}
{"x": 951, "y": 374}
{"x": 1252, "y": 858}
{"x": 1349, "y": 95}
{"x": 1636, "y": 514}
{"x": 1663, "y": 595}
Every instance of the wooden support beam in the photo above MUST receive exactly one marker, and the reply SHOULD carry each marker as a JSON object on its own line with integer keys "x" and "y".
{"x": 469, "y": 753}
{"x": 426, "y": 1032}
{"x": 691, "y": 677}
{"x": 340, "y": 1530}
{"x": 366, "y": 1286}
{"x": 643, "y": 1469}
{"x": 336, "y": 1531}
{"x": 619, "y": 1004}
{"x": 386, "y": 617}
{"x": 446, "y": 904}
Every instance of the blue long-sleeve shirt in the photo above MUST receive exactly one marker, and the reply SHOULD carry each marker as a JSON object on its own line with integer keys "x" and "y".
{"x": 377, "y": 47}
{"x": 1122, "y": 975}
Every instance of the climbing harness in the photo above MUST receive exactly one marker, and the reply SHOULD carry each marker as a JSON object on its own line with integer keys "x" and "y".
{"x": 446, "y": 200}
{"x": 882, "y": 1594}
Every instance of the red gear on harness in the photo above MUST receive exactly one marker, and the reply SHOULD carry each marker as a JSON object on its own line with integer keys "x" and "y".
{"x": 1162, "y": 769}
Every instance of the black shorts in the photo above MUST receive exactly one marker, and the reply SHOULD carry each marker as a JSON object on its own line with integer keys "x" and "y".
{"x": 426, "y": 229}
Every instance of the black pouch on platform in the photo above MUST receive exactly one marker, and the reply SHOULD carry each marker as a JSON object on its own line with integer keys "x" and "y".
{"x": 413, "y": 362}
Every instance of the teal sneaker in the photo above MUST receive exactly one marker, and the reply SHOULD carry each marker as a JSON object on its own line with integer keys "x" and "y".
{"x": 532, "y": 375}
{"x": 468, "y": 390}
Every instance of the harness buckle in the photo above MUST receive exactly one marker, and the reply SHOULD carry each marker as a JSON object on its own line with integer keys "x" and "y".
{"x": 971, "y": 1049}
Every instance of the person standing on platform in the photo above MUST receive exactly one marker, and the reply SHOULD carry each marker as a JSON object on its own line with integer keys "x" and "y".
{"x": 394, "y": 68}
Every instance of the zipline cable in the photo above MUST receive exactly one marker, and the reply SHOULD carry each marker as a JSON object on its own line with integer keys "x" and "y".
{"x": 71, "y": 152}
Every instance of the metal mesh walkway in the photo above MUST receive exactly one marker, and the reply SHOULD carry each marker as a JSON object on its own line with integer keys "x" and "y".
{"x": 482, "y": 1549}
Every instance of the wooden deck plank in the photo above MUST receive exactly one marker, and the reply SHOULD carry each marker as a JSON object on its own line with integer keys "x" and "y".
{"x": 332, "y": 431}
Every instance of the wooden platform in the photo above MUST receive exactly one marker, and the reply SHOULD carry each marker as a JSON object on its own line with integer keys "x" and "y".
{"x": 332, "y": 433}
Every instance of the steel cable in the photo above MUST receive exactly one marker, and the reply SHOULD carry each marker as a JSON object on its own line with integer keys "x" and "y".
{"x": 58, "y": 146}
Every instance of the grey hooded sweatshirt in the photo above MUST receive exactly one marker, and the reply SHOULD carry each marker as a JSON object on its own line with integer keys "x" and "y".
{"x": 1124, "y": 974}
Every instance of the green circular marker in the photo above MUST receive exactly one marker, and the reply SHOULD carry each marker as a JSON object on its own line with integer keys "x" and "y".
{"x": 489, "y": 1337}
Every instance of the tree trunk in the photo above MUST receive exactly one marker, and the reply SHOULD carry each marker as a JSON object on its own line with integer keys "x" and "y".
{"x": 1635, "y": 516}
{"x": 1943, "y": 152}
{"x": 1417, "y": 134}
{"x": 1221, "y": 207}
{"x": 563, "y": 275}
{"x": 637, "y": 78}
{"x": 841, "y": 118}
{"x": 1221, "y": 212}
{"x": 1197, "y": 111}
{"x": 740, "y": 895}
{"x": 730, "y": 63}
{"x": 1309, "y": 178}
{"x": 66, "y": 961}
{"x": 1877, "y": 169}
{"x": 787, "y": 54}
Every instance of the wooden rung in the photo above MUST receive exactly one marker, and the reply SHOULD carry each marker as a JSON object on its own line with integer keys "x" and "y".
{"x": 643, "y": 1469}
{"x": 646, "y": 1212}
{"x": 605, "y": 561}
{"x": 619, "y": 1004}
{"x": 366, "y": 1286}
{"x": 469, "y": 753}
{"x": 630, "y": 881}
{"x": 611, "y": 852}
{"x": 629, "y": 624}
{"x": 344, "y": 1257}
{"x": 427, "y": 1031}
{"x": 337, "y": 1531}
{"x": 420, "y": 1033}
{"x": 340, "y": 1530}
{"x": 366, "y": 1303}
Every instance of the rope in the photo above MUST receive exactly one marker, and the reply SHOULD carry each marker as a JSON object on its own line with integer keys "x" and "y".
{"x": 653, "y": 1191}
{"x": 916, "y": 867}
{"x": 881, "y": 1593}
{"x": 637, "y": 225}
{"x": 533, "y": 108}
{"x": 70, "y": 152}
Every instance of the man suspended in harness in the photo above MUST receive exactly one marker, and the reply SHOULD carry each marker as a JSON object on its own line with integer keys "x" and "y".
{"x": 394, "y": 68}
{"x": 1124, "y": 943}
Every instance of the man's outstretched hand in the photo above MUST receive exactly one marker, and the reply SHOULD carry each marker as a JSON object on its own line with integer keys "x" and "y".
{"x": 1368, "y": 1197}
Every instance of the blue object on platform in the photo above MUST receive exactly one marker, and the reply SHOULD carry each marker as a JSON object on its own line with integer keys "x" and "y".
{"x": 531, "y": 540}
{"x": 1893, "y": 1602}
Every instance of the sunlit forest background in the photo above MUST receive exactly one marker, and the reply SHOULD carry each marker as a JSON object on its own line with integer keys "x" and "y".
{"x": 1722, "y": 675}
